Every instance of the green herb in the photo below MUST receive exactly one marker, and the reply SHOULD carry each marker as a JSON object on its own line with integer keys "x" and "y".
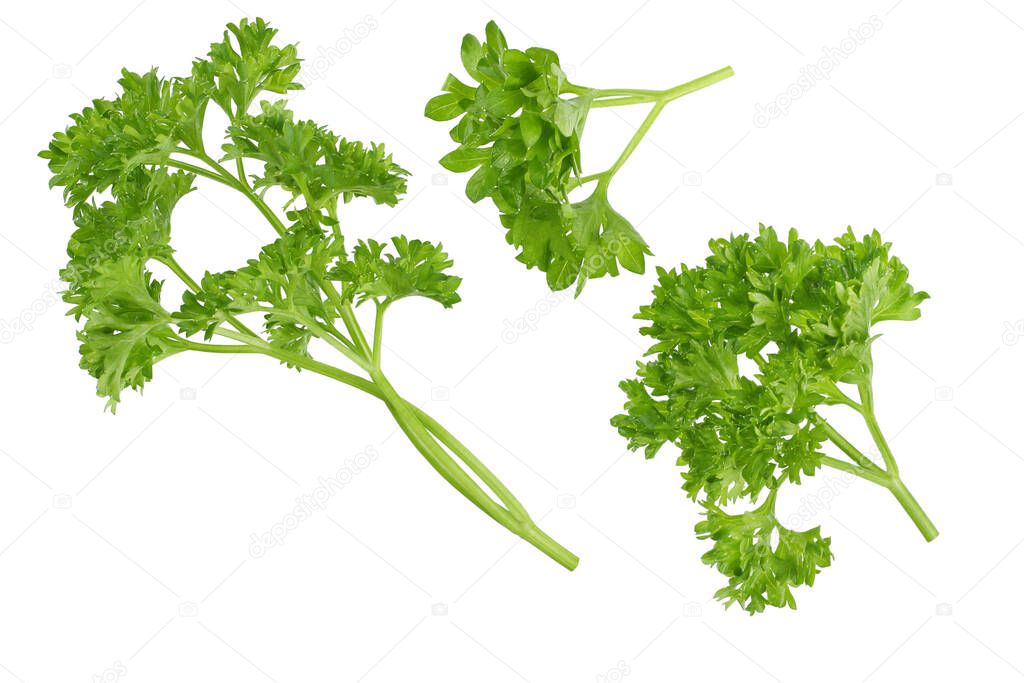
{"x": 804, "y": 315}
{"x": 520, "y": 132}
{"x": 145, "y": 148}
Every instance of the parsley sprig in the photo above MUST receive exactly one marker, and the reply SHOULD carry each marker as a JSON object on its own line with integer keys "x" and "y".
{"x": 519, "y": 131}
{"x": 804, "y": 315}
{"x": 144, "y": 150}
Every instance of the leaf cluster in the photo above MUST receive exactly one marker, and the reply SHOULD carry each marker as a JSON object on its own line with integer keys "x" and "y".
{"x": 747, "y": 348}
{"x": 309, "y": 161}
{"x": 126, "y": 162}
{"x": 518, "y": 132}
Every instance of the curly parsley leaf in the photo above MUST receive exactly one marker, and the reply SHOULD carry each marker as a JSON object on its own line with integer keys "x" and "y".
{"x": 247, "y": 63}
{"x": 416, "y": 268}
{"x": 803, "y": 315}
{"x": 112, "y": 137}
{"x": 126, "y": 330}
{"x": 307, "y": 160}
{"x": 763, "y": 559}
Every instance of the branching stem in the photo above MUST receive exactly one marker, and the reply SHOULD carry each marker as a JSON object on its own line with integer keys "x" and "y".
{"x": 425, "y": 433}
{"x": 616, "y": 97}
{"x": 864, "y": 468}
{"x": 846, "y": 447}
{"x": 867, "y": 402}
{"x": 378, "y": 331}
{"x": 422, "y": 430}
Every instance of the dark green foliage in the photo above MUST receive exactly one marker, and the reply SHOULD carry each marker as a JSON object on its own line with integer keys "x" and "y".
{"x": 518, "y": 133}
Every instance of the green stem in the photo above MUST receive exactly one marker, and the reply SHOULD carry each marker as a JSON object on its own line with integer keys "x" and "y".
{"x": 536, "y": 537}
{"x": 219, "y": 348}
{"x": 623, "y": 96}
{"x": 651, "y": 95}
{"x": 348, "y": 317}
{"x": 336, "y": 333}
{"x": 867, "y": 402}
{"x": 240, "y": 171}
{"x": 175, "y": 267}
{"x": 914, "y": 509}
{"x": 408, "y": 416}
{"x": 889, "y": 478}
{"x": 446, "y": 438}
{"x": 419, "y": 427}
{"x": 846, "y": 447}
{"x": 378, "y": 334}
{"x": 436, "y": 456}
{"x": 267, "y": 212}
{"x": 308, "y": 363}
{"x": 244, "y": 334}
{"x": 836, "y": 396}
{"x": 577, "y": 182}
{"x": 645, "y": 126}
{"x": 197, "y": 170}
{"x": 415, "y": 430}
{"x": 474, "y": 464}
{"x": 342, "y": 348}
{"x": 866, "y": 474}
{"x": 224, "y": 176}
{"x": 332, "y": 213}
{"x": 622, "y": 101}
{"x": 768, "y": 506}
{"x": 515, "y": 519}
{"x": 345, "y": 309}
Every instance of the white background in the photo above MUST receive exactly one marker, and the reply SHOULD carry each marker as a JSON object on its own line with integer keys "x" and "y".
{"x": 124, "y": 540}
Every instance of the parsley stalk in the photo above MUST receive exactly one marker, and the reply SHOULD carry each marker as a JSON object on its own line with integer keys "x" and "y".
{"x": 660, "y": 98}
{"x": 863, "y": 467}
{"x": 519, "y": 131}
{"x": 423, "y": 431}
{"x": 146, "y": 147}
{"x": 624, "y": 96}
